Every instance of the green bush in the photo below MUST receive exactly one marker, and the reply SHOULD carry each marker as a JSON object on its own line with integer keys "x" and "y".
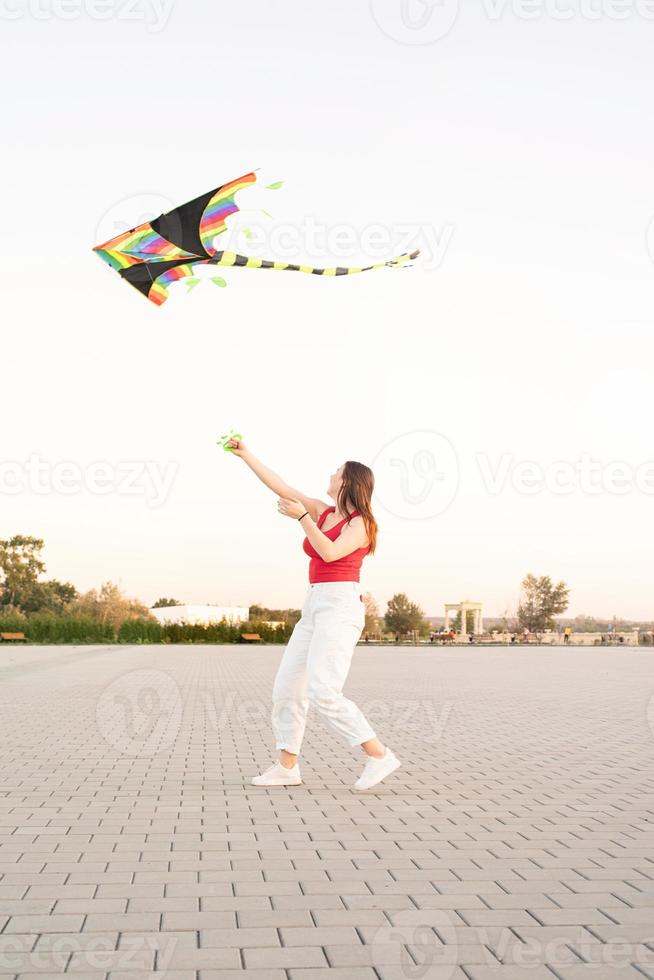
{"x": 140, "y": 631}
{"x": 13, "y": 623}
{"x": 48, "y": 628}
{"x": 269, "y": 634}
{"x": 222, "y": 632}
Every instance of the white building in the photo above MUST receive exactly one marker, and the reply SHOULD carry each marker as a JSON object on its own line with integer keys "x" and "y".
{"x": 201, "y": 614}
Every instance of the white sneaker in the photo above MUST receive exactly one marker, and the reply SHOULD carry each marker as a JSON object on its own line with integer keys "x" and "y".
{"x": 377, "y": 769}
{"x": 279, "y": 775}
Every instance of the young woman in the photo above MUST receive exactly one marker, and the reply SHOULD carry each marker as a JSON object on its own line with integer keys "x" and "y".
{"x": 317, "y": 658}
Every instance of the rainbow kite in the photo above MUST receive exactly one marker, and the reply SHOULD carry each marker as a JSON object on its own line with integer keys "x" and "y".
{"x": 160, "y": 252}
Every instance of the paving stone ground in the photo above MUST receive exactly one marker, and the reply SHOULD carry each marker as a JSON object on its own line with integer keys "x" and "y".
{"x": 517, "y": 840}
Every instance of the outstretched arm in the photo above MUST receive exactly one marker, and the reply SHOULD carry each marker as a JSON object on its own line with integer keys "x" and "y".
{"x": 275, "y": 482}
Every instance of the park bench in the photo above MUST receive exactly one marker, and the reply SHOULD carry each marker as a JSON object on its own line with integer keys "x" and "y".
{"x": 250, "y": 637}
{"x": 12, "y": 637}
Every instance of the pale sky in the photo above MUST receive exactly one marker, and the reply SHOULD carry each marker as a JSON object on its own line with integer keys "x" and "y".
{"x": 516, "y": 150}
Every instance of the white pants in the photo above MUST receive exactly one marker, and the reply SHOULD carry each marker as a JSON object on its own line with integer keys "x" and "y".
{"x": 315, "y": 664}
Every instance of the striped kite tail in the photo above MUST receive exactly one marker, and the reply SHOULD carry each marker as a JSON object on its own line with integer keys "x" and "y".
{"x": 249, "y": 262}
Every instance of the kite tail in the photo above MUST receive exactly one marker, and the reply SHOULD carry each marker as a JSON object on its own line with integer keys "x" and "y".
{"x": 249, "y": 262}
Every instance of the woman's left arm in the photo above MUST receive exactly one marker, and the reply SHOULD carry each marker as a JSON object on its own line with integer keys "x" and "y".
{"x": 352, "y": 537}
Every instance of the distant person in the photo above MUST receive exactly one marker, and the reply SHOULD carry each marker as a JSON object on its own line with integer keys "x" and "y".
{"x": 471, "y": 638}
{"x": 567, "y": 632}
{"x": 317, "y": 658}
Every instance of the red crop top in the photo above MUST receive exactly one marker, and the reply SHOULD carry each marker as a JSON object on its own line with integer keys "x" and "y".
{"x": 344, "y": 569}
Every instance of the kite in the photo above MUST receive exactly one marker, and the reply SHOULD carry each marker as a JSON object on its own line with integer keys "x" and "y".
{"x": 158, "y": 253}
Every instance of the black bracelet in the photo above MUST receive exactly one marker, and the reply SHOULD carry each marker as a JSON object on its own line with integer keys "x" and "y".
{"x": 303, "y": 516}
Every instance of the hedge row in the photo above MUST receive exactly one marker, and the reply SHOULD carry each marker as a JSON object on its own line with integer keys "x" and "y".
{"x": 46, "y": 628}
{"x": 147, "y": 631}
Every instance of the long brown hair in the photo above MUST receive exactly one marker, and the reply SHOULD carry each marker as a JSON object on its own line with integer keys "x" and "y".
{"x": 356, "y": 494}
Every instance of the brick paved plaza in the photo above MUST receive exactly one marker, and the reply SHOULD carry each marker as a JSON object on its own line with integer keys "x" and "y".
{"x": 516, "y": 841}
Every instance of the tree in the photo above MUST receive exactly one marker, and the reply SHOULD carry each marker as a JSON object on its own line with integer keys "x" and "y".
{"x": 109, "y": 605}
{"x": 590, "y": 624}
{"x": 166, "y": 603}
{"x": 20, "y": 564}
{"x": 508, "y": 621}
{"x": 50, "y": 596}
{"x": 470, "y": 621}
{"x": 540, "y": 602}
{"x": 403, "y": 616}
{"x": 372, "y": 614}
{"x": 264, "y": 614}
